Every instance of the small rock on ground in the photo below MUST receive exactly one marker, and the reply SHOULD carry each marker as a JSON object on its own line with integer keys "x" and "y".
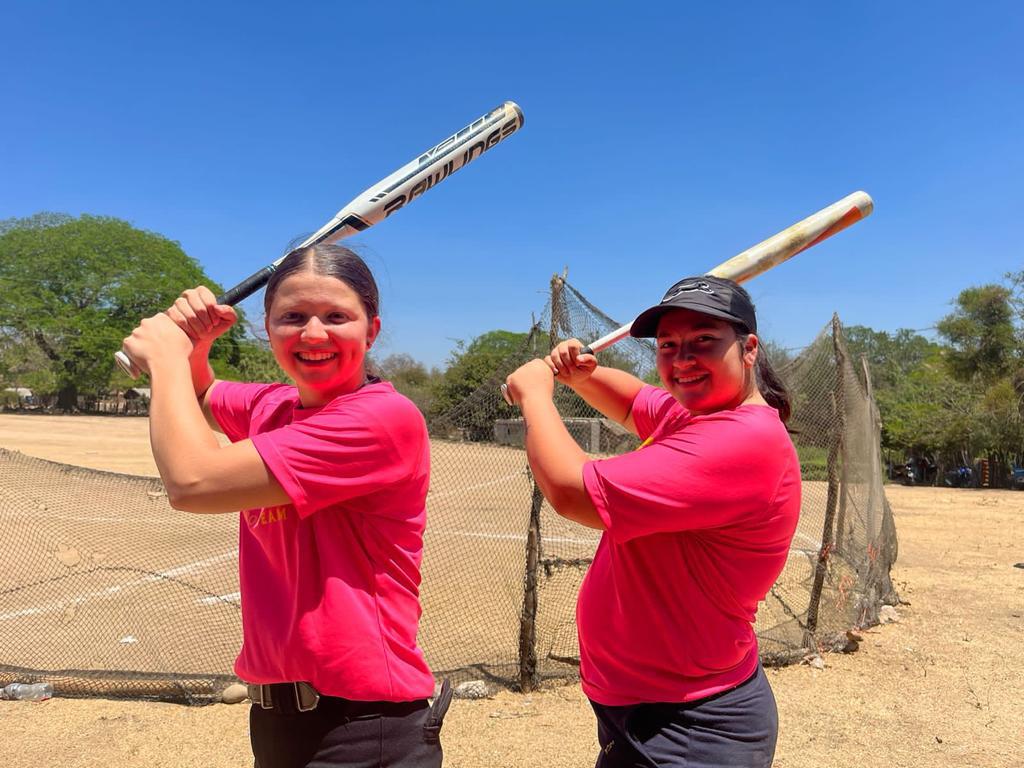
{"x": 234, "y": 694}
{"x": 472, "y": 689}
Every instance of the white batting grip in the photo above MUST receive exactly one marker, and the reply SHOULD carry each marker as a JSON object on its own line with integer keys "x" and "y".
{"x": 125, "y": 364}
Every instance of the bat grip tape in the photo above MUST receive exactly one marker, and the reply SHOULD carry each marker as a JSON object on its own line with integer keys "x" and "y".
{"x": 247, "y": 287}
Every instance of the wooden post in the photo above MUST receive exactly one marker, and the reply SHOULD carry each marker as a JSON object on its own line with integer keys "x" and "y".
{"x": 529, "y": 677}
{"x": 875, "y": 425}
{"x": 834, "y": 487}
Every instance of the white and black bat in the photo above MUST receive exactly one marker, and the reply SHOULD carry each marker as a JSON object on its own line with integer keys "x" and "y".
{"x": 389, "y": 195}
{"x": 767, "y": 254}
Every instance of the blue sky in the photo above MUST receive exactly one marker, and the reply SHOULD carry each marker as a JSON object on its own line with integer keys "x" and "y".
{"x": 660, "y": 139}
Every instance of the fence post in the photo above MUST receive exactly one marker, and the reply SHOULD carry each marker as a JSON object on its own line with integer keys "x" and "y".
{"x": 528, "y": 673}
{"x": 834, "y": 485}
{"x": 875, "y": 425}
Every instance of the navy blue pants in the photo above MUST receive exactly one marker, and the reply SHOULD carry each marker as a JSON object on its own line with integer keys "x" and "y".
{"x": 735, "y": 728}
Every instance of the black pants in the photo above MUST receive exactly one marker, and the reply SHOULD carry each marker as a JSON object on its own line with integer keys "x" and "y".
{"x": 736, "y": 728}
{"x": 345, "y": 734}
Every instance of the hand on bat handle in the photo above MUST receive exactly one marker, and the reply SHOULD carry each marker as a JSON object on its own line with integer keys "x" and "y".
{"x": 200, "y": 315}
{"x": 570, "y": 362}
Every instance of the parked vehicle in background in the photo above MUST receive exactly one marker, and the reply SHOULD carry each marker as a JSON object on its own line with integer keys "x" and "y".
{"x": 959, "y": 477}
{"x": 1017, "y": 477}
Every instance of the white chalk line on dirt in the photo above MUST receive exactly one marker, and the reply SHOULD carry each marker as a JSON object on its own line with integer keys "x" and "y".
{"x": 234, "y": 598}
{"x": 113, "y": 591}
{"x": 487, "y": 484}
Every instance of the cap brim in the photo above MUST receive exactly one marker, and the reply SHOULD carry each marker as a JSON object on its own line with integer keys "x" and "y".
{"x": 646, "y": 323}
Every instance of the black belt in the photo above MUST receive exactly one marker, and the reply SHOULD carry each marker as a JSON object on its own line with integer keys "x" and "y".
{"x": 301, "y": 697}
{"x": 291, "y": 698}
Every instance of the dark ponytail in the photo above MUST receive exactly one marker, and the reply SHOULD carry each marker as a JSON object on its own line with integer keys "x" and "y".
{"x": 770, "y": 385}
{"x": 768, "y": 382}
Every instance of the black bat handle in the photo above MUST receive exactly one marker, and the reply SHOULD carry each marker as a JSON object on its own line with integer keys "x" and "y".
{"x": 247, "y": 287}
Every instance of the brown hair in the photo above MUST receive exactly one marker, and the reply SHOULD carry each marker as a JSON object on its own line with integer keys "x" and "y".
{"x": 768, "y": 382}
{"x": 330, "y": 261}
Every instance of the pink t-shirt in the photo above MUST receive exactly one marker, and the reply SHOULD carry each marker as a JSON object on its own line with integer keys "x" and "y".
{"x": 699, "y": 523}
{"x": 330, "y": 582}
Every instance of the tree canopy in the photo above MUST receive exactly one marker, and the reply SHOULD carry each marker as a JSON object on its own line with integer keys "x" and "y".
{"x": 73, "y": 288}
{"x": 411, "y": 378}
{"x": 983, "y": 341}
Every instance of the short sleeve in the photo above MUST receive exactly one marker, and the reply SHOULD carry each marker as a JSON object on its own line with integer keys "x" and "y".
{"x": 346, "y": 450}
{"x": 715, "y": 471}
{"x": 653, "y": 407}
{"x": 232, "y": 404}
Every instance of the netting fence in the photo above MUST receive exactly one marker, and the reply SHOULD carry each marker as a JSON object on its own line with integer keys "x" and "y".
{"x": 107, "y": 591}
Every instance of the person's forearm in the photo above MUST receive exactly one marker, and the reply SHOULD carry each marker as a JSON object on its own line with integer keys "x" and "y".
{"x": 611, "y": 392}
{"x": 557, "y": 462}
{"x": 183, "y": 444}
{"x": 202, "y": 372}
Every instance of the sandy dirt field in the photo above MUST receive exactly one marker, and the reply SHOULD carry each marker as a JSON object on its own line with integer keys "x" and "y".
{"x": 940, "y": 687}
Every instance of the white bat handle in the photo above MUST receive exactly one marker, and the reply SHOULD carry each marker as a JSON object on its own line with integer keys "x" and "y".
{"x": 125, "y": 364}
{"x": 607, "y": 340}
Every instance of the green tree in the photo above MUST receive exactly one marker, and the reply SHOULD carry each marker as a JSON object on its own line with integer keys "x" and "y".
{"x": 983, "y": 340}
{"x": 925, "y": 411}
{"x": 410, "y": 377}
{"x": 890, "y": 356}
{"x": 250, "y": 360}
{"x": 466, "y": 395}
{"x": 472, "y": 364}
{"x": 72, "y": 289}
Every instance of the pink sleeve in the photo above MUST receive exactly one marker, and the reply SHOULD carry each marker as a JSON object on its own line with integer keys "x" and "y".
{"x": 651, "y": 407}
{"x": 713, "y": 472}
{"x": 343, "y": 453}
{"x": 232, "y": 403}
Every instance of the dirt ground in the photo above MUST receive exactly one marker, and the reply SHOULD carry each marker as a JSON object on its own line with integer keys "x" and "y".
{"x": 942, "y": 686}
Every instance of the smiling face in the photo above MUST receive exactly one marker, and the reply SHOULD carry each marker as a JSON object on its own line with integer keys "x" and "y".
{"x": 320, "y": 332}
{"x": 702, "y": 364}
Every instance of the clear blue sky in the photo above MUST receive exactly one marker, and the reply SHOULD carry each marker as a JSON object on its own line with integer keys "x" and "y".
{"x": 660, "y": 139}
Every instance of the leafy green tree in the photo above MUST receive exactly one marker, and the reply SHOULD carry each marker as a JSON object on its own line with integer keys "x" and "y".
{"x": 72, "y": 289}
{"x": 925, "y": 411}
{"x": 410, "y": 377}
{"x": 980, "y": 331}
{"x": 890, "y": 356}
{"x": 466, "y": 395}
{"x": 472, "y": 364}
{"x": 250, "y": 360}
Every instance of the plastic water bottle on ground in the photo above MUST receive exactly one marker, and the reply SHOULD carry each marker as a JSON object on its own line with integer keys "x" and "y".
{"x": 27, "y": 691}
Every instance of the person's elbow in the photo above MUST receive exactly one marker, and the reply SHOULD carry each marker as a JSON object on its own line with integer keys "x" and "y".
{"x": 575, "y": 505}
{"x": 193, "y": 495}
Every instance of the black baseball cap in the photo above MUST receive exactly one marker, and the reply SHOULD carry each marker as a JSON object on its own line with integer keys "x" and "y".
{"x": 708, "y": 295}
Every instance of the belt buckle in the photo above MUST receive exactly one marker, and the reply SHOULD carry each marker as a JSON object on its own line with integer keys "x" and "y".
{"x": 306, "y": 697}
{"x": 260, "y": 694}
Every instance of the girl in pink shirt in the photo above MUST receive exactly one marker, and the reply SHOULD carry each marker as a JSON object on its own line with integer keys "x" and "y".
{"x": 331, "y": 476}
{"x": 697, "y": 526}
